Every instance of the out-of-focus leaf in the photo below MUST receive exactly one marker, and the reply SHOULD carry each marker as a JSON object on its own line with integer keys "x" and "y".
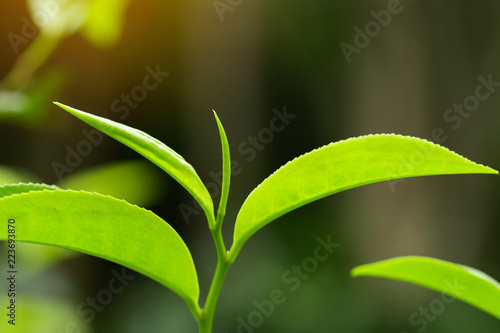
{"x": 57, "y": 18}
{"x": 105, "y": 21}
{"x": 41, "y": 90}
{"x": 36, "y": 258}
{"x": 30, "y": 105}
{"x": 12, "y": 103}
{"x": 11, "y": 175}
{"x": 41, "y": 315}
{"x": 137, "y": 182}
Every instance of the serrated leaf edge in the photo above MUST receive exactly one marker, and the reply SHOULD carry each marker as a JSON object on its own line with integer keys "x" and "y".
{"x": 343, "y": 141}
{"x": 192, "y": 304}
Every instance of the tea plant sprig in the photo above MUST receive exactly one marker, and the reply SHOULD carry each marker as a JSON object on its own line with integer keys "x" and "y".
{"x": 134, "y": 237}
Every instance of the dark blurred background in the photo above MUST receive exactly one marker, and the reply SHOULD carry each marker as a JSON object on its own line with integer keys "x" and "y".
{"x": 338, "y": 69}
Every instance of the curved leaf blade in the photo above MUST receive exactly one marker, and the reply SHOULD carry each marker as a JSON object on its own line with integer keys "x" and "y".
{"x": 462, "y": 282}
{"x": 226, "y": 172}
{"x": 155, "y": 151}
{"x": 341, "y": 166}
{"x": 11, "y": 189}
{"x": 104, "y": 227}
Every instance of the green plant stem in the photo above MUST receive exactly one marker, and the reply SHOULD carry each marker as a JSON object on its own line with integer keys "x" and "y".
{"x": 219, "y": 244}
{"x": 207, "y": 315}
{"x": 206, "y": 320}
{"x": 31, "y": 60}
{"x": 223, "y": 264}
{"x": 194, "y": 308}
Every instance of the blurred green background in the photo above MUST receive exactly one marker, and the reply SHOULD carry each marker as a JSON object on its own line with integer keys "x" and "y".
{"x": 249, "y": 61}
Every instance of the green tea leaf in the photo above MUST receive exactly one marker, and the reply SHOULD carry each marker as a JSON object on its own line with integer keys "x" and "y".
{"x": 462, "y": 282}
{"x": 10, "y": 189}
{"x": 341, "y": 166}
{"x": 104, "y": 227}
{"x": 155, "y": 151}
{"x": 226, "y": 171}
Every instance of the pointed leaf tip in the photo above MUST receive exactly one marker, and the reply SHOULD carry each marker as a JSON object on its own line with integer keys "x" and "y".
{"x": 226, "y": 172}
{"x": 462, "y": 282}
{"x": 341, "y": 166}
{"x": 155, "y": 151}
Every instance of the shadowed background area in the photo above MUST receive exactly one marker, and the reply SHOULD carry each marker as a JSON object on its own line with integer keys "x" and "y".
{"x": 285, "y": 77}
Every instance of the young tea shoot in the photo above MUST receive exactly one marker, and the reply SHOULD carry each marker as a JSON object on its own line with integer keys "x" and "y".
{"x": 138, "y": 239}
